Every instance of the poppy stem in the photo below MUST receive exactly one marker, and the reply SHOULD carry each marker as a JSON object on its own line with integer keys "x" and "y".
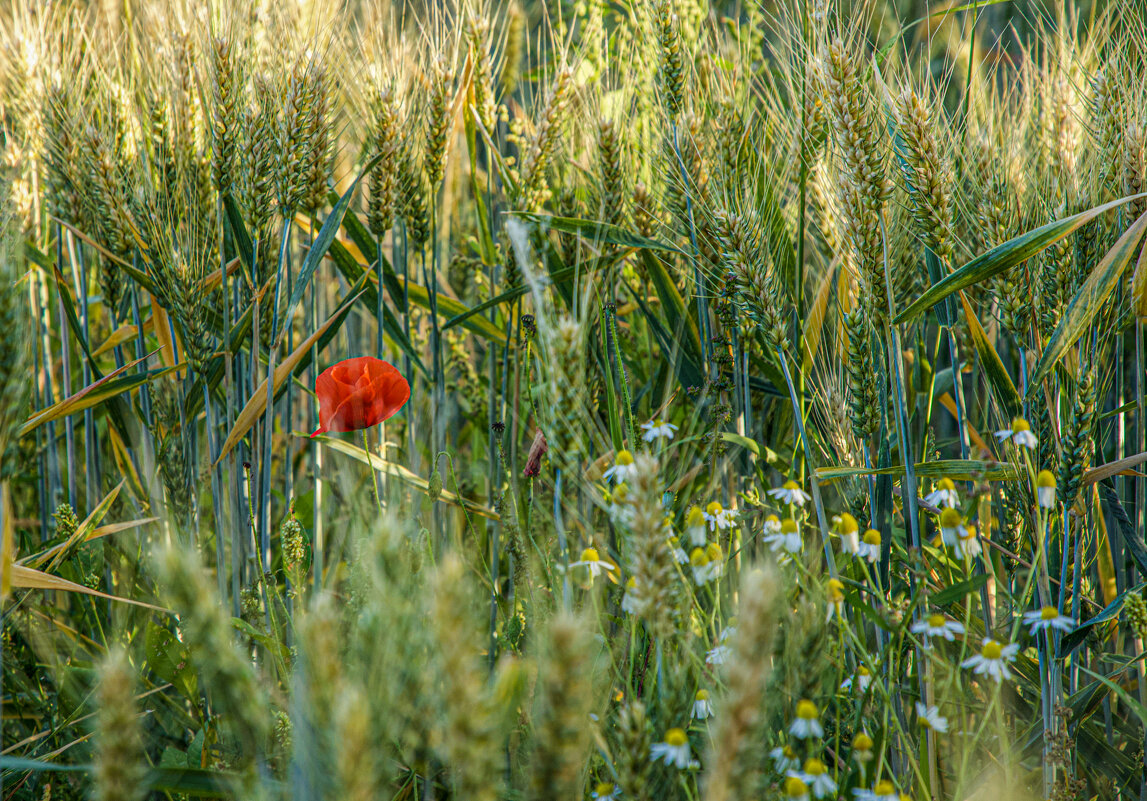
{"x": 373, "y": 476}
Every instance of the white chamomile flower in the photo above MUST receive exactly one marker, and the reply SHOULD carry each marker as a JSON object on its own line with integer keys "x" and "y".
{"x": 816, "y": 776}
{"x": 1048, "y": 618}
{"x": 937, "y": 625}
{"x": 621, "y": 511}
{"x": 862, "y": 746}
{"x": 720, "y": 652}
{"x": 882, "y": 791}
{"x": 807, "y": 723}
{"x": 772, "y": 526}
{"x": 674, "y": 750}
{"x": 720, "y": 518}
{"x": 944, "y": 495}
{"x": 835, "y": 594}
{"x": 795, "y": 788}
{"x": 992, "y": 660}
{"x": 702, "y": 706}
{"x": 968, "y": 544}
{"x": 624, "y": 468}
{"x": 657, "y": 429}
{"x": 929, "y": 717}
{"x": 629, "y": 600}
{"x": 1020, "y": 433}
{"x": 1045, "y": 489}
{"x": 784, "y": 759}
{"x": 716, "y": 557}
{"x": 592, "y": 561}
{"x": 696, "y": 527}
{"x": 849, "y": 531}
{"x": 869, "y": 546}
{"x": 699, "y": 563}
{"x": 951, "y": 524}
{"x": 604, "y": 791}
{"x": 789, "y": 493}
{"x": 787, "y": 539}
{"x": 678, "y": 552}
{"x": 860, "y": 682}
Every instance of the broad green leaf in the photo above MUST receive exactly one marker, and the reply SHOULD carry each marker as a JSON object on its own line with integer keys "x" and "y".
{"x": 955, "y": 469}
{"x": 1089, "y": 299}
{"x": 595, "y": 231}
{"x": 751, "y": 445}
{"x": 959, "y": 591}
{"x": 322, "y": 242}
{"x": 673, "y": 307}
{"x": 1005, "y": 256}
{"x": 168, "y": 658}
{"x": 1132, "y": 539}
{"x": 997, "y": 374}
{"x": 239, "y": 233}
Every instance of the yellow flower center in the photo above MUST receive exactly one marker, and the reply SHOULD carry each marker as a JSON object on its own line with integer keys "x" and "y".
{"x": 604, "y": 789}
{"x": 713, "y": 552}
{"x": 935, "y": 621}
{"x": 624, "y": 457}
{"x": 806, "y": 710}
{"x": 631, "y": 583}
{"x": 1044, "y": 479}
{"x": 773, "y": 519}
{"x": 835, "y": 590}
{"x": 676, "y": 738}
{"x": 862, "y": 742}
{"x": 968, "y": 534}
{"x": 795, "y": 788}
{"x": 872, "y": 537}
{"x": 884, "y": 788}
{"x": 702, "y": 695}
{"x": 695, "y": 517}
{"x": 789, "y": 526}
{"x": 945, "y": 484}
{"x": 862, "y": 671}
{"x": 590, "y": 555}
{"x": 698, "y": 558}
{"x": 620, "y": 493}
{"x": 714, "y": 508}
{"x": 790, "y": 485}
{"x": 848, "y": 524}
{"x": 992, "y": 650}
{"x": 949, "y": 518}
{"x": 1049, "y": 613}
{"x": 1019, "y": 424}
{"x": 814, "y": 767}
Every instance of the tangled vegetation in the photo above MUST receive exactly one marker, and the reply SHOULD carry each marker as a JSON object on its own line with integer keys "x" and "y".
{"x": 776, "y": 422}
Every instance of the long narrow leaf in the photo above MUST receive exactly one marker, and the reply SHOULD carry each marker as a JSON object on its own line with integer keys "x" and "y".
{"x": 1090, "y": 298}
{"x": 1005, "y": 256}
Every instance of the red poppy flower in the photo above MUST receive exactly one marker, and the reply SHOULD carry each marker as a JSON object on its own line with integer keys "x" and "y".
{"x": 359, "y": 393}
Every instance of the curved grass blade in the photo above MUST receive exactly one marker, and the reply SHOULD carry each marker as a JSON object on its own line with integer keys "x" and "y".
{"x": 600, "y": 232}
{"x": 1074, "y": 638}
{"x": 416, "y": 481}
{"x": 255, "y": 407}
{"x": 1004, "y": 256}
{"x": 1090, "y": 298}
{"x": 1002, "y": 386}
{"x": 24, "y": 577}
{"x": 110, "y": 386}
{"x": 322, "y": 243}
{"x": 955, "y": 469}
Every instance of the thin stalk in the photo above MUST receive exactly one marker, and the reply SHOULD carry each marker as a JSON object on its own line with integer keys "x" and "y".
{"x": 269, "y": 416}
{"x": 317, "y": 538}
{"x": 66, "y": 363}
{"x": 816, "y": 499}
{"x": 695, "y": 255}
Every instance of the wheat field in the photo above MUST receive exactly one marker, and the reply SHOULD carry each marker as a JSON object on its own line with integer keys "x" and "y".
{"x": 716, "y": 400}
